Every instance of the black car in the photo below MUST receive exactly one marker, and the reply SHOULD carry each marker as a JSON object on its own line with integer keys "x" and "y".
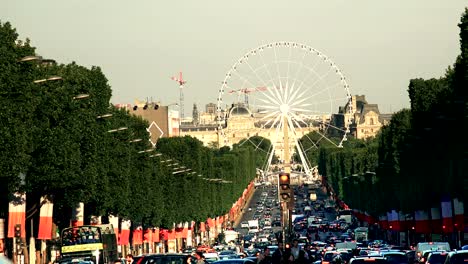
{"x": 163, "y": 259}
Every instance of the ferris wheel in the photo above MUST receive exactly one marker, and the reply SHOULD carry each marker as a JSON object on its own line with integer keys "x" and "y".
{"x": 286, "y": 92}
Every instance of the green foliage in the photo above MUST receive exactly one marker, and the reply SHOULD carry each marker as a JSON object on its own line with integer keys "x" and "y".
{"x": 421, "y": 154}
{"x": 70, "y": 155}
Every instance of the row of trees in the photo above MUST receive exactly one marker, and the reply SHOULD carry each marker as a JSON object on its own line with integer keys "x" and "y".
{"x": 57, "y": 140}
{"x": 419, "y": 157}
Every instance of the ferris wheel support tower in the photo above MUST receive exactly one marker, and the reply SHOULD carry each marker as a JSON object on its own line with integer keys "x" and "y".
{"x": 181, "y": 82}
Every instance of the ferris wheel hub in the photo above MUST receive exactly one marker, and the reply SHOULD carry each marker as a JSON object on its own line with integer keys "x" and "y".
{"x": 284, "y": 108}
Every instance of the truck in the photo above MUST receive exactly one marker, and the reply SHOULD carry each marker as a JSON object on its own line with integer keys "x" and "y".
{"x": 313, "y": 196}
{"x": 231, "y": 236}
{"x": 253, "y": 226}
{"x": 361, "y": 234}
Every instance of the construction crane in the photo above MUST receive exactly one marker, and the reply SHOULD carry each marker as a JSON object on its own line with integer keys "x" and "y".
{"x": 181, "y": 82}
{"x": 246, "y": 92}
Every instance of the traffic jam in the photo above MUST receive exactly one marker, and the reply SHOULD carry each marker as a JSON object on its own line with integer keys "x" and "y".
{"x": 320, "y": 234}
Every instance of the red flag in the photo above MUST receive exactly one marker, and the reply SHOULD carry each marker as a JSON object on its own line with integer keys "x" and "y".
{"x": 45, "y": 219}
{"x": 459, "y": 212}
{"x": 125, "y": 234}
{"x": 148, "y": 236}
{"x": 17, "y": 214}
{"x": 447, "y": 223}
{"x": 78, "y": 215}
{"x": 171, "y": 234}
{"x": 421, "y": 218}
{"x": 436, "y": 223}
{"x": 138, "y": 236}
{"x": 156, "y": 235}
{"x": 211, "y": 223}
{"x": 383, "y": 222}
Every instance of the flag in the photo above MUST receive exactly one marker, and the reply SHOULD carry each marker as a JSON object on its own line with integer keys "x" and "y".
{"x": 138, "y": 236}
{"x": 125, "y": 234}
{"x": 459, "y": 212}
{"x": 156, "y": 235}
{"x": 422, "y": 222}
{"x": 436, "y": 223}
{"x": 17, "y": 214}
{"x": 383, "y": 222}
{"x": 148, "y": 235}
{"x": 45, "y": 219}
{"x": 78, "y": 215}
{"x": 446, "y": 206}
{"x": 114, "y": 221}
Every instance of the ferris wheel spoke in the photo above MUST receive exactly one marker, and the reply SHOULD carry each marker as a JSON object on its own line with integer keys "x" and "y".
{"x": 301, "y": 65}
{"x": 272, "y": 99}
{"x": 327, "y": 139}
{"x": 319, "y": 80}
{"x": 309, "y": 74}
{"x": 300, "y": 119}
{"x": 256, "y": 74}
{"x": 276, "y": 62}
{"x": 246, "y": 81}
{"x": 266, "y": 67}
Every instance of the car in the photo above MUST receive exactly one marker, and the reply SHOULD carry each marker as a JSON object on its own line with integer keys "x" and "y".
{"x": 395, "y": 257}
{"x": 368, "y": 260}
{"x": 244, "y": 224}
{"x": 430, "y": 246}
{"x": 170, "y": 258}
{"x": 457, "y": 257}
{"x": 437, "y": 257}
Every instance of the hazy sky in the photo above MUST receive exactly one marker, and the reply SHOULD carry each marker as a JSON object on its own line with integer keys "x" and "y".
{"x": 378, "y": 45}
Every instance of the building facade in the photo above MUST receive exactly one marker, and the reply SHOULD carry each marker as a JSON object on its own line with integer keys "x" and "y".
{"x": 366, "y": 120}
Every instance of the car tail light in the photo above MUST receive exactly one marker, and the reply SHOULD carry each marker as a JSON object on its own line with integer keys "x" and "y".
{"x": 369, "y": 259}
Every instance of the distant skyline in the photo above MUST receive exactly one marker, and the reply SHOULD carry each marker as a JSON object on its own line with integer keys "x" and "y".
{"x": 379, "y": 46}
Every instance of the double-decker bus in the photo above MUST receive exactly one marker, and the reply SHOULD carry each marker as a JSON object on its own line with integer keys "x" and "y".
{"x": 88, "y": 244}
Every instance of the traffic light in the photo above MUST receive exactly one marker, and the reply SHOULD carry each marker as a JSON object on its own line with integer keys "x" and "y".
{"x": 18, "y": 234}
{"x": 284, "y": 186}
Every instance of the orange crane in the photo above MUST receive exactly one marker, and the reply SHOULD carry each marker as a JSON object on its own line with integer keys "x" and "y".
{"x": 247, "y": 91}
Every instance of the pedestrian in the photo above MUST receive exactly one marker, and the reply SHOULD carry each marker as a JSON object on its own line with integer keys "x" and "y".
{"x": 200, "y": 258}
{"x": 277, "y": 257}
{"x": 129, "y": 258}
{"x": 266, "y": 258}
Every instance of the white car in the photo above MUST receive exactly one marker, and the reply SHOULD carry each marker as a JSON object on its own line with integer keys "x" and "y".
{"x": 244, "y": 225}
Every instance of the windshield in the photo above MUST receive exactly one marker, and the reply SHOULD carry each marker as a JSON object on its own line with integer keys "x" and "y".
{"x": 397, "y": 259}
{"x": 437, "y": 258}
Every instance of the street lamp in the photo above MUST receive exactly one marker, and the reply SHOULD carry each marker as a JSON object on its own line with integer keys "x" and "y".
{"x": 51, "y": 78}
{"x": 117, "y": 129}
{"x": 80, "y": 96}
{"x": 30, "y": 58}
{"x": 104, "y": 116}
{"x": 147, "y": 150}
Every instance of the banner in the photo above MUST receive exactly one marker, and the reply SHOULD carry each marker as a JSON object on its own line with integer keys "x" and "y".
{"x": 17, "y": 214}
{"x": 78, "y": 215}
{"x": 138, "y": 236}
{"x": 422, "y": 222}
{"x": 436, "y": 223}
{"x": 459, "y": 212}
{"x": 114, "y": 221}
{"x": 45, "y": 219}
{"x": 125, "y": 234}
{"x": 446, "y": 206}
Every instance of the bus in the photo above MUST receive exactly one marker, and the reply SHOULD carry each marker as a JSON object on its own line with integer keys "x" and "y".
{"x": 88, "y": 244}
{"x": 361, "y": 234}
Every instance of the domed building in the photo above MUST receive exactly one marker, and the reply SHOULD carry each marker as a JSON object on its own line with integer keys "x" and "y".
{"x": 240, "y": 123}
